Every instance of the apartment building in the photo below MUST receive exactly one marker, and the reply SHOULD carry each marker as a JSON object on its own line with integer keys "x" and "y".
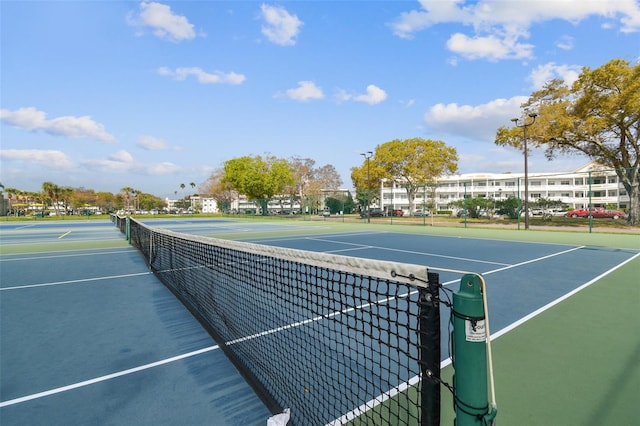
{"x": 590, "y": 184}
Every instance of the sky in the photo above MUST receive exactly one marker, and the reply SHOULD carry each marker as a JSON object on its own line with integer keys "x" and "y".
{"x": 151, "y": 95}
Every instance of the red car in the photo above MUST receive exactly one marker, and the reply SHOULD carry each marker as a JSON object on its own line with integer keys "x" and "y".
{"x": 597, "y": 212}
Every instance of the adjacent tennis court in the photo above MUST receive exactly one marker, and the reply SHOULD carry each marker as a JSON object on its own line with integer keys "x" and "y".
{"x": 89, "y": 336}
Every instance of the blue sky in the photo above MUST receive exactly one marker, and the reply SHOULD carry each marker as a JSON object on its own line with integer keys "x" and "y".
{"x": 108, "y": 94}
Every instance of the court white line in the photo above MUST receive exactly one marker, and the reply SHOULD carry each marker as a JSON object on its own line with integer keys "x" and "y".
{"x": 64, "y": 235}
{"x": 537, "y": 259}
{"x": 105, "y": 378}
{"x": 558, "y": 300}
{"x": 360, "y": 246}
{"x": 76, "y": 281}
{"x": 55, "y": 256}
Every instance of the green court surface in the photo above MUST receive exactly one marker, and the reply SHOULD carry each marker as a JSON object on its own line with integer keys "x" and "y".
{"x": 577, "y": 363}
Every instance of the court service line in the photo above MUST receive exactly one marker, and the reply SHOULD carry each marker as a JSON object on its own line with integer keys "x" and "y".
{"x": 105, "y": 378}
{"x": 560, "y": 299}
{"x": 360, "y": 246}
{"x": 537, "y": 259}
{"x": 76, "y": 281}
{"x": 64, "y": 235}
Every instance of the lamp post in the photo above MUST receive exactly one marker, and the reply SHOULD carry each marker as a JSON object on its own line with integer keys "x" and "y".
{"x": 524, "y": 123}
{"x": 367, "y": 155}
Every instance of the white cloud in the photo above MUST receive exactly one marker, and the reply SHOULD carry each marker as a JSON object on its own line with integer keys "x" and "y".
{"x": 499, "y": 25}
{"x": 543, "y": 73}
{"x": 163, "y": 22}
{"x": 281, "y": 27}
{"x": 565, "y": 42}
{"x": 305, "y": 91}
{"x": 476, "y": 122}
{"x": 374, "y": 95}
{"x": 152, "y": 144}
{"x": 68, "y": 126}
{"x": 490, "y": 47}
{"x": 123, "y": 162}
{"x": 217, "y": 77}
{"x": 121, "y": 157}
{"x": 51, "y": 159}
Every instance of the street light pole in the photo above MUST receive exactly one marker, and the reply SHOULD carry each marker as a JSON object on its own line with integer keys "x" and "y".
{"x": 367, "y": 155}
{"x": 524, "y": 123}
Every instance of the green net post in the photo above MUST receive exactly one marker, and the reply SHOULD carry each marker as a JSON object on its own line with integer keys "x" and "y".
{"x": 127, "y": 228}
{"x": 470, "y": 354}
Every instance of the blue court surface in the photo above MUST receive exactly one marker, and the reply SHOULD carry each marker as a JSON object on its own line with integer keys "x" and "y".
{"x": 90, "y": 337}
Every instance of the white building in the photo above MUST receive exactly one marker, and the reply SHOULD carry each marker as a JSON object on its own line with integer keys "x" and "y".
{"x": 590, "y": 184}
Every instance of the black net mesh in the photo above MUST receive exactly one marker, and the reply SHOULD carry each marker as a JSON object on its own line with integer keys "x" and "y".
{"x": 329, "y": 342}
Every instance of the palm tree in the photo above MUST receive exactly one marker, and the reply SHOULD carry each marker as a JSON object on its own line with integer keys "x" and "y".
{"x": 137, "y": 193}
{"x": 127, "y": 191}
{"x": 51, "y": 190}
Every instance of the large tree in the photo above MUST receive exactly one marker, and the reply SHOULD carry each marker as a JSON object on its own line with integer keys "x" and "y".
{"x": 412, "y": 163}
{"x": 222, "y": 192}
{"x": 258, "y": 178}
{"x": 598, "y": 116}
{"x": 310, "y": 183}
{"x": 52, "y": 191}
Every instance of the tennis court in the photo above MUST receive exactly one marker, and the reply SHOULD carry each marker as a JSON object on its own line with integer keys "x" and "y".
{"x": 89, "y": 336}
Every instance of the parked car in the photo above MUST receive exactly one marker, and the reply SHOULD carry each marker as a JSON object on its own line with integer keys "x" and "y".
{"x": 373, "y": 213}
{"x": 421, "y": 213}
{"x": 596, "y": 212}
{"x": 395, "y": 212}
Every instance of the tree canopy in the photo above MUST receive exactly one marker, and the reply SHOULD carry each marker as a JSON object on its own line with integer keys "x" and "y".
{"x": 258, "y": 178}
{"x": 412, "y": 163}
{"x": 598, "y": 116}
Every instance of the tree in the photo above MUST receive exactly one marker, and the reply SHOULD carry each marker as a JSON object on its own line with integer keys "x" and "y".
{"x": 258, "y": 178}
{"x": 309, "y": 181}
{"x": 340, "y": 201}
{"x": 52, "y": 191}
{"x": 412, "y": 163}
{"x": 598, "y": 116}
{"x": 127, "y": 192}
{"x": 475, "y": 206}
{"x": 222, "y": 192}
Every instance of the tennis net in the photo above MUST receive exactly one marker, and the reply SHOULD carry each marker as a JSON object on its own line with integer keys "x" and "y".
{"x": 335, "y": 339}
